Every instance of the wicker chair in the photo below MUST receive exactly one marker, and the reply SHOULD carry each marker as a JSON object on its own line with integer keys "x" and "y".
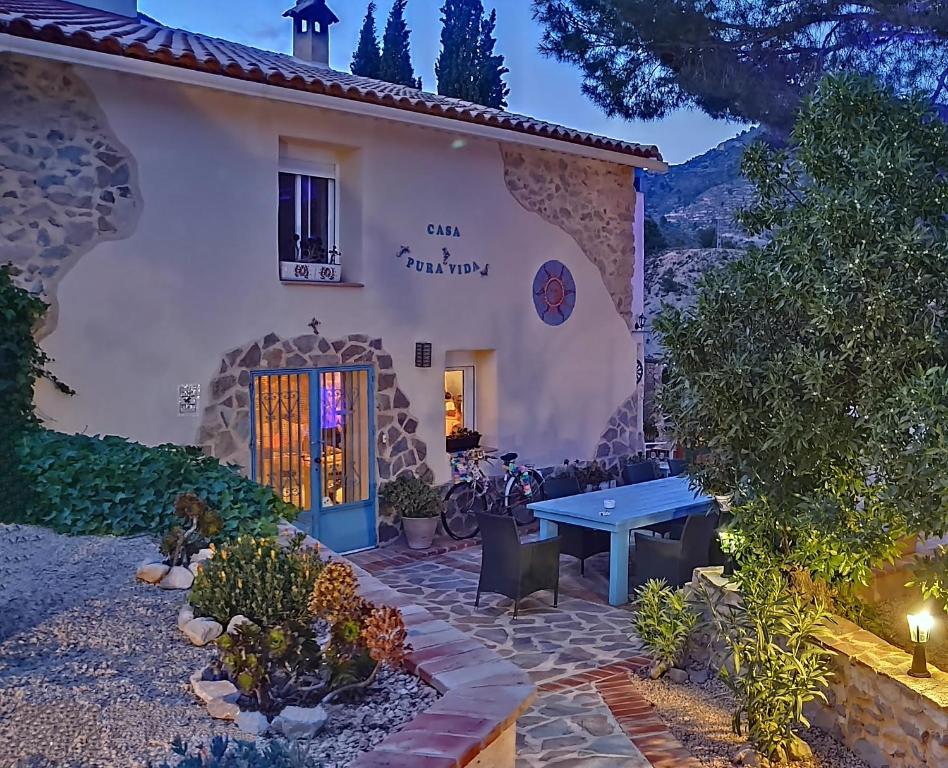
{"x": 575, "y": 540}
{"x": 632, "y": 474}
{"x": 675, "y": 559}
{"x": 514, "y": 569}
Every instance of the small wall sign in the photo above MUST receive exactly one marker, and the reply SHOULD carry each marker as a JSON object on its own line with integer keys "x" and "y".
{"x": 446, "y": 265}
{"x": 188, "y": 397}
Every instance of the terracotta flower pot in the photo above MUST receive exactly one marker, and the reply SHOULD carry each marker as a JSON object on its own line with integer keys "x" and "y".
{"x": 420, "y": 531}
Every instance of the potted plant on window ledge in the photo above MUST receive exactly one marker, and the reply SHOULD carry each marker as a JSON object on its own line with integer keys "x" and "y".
{"x": 417, "y": 504}
{"x": 462, "y": 439}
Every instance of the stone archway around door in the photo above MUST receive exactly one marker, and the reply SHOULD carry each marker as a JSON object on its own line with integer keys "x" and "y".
{"x": 225, "y": 428}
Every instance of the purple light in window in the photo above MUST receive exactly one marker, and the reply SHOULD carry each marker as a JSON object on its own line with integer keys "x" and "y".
{"x": 331, "y": 399}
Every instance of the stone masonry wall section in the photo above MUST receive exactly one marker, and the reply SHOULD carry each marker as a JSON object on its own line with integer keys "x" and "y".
{"x": 591, "y": 200}
{"x": 594, "y": 203}
{"x": 623, "y": 435}
{"x": 66, "y": 180}
{"x": 225, "y": 427}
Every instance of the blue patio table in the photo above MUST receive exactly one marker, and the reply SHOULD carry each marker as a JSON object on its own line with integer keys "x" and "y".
{"x": 655, "y": 501}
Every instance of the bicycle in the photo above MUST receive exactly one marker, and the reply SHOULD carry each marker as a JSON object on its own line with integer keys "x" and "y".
{"x": 475, "y": 492}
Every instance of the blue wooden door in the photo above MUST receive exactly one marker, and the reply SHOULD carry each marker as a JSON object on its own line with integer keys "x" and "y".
{"x": 312, "y": 443}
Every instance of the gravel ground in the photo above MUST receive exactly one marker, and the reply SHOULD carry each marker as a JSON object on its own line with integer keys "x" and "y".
{"x": 394, "y": 700}
{"x": 700, "y": 717}
{"x": 94, "y": 672}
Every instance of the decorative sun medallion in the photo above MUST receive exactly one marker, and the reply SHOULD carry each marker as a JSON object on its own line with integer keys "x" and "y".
{"x": 554, "y": 293}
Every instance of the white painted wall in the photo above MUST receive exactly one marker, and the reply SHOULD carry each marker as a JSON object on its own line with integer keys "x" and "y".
{"x": 140, "y": 316}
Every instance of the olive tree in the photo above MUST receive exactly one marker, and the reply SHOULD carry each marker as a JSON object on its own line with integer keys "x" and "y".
{"x": 811, "y": 372}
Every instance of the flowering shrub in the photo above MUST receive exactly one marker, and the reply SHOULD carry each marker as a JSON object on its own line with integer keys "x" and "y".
{"x": 362, "y": 636}
{"x": 385, "y": 636}
{"x": 334, "y": 594}
{"x": 258, "y": 578}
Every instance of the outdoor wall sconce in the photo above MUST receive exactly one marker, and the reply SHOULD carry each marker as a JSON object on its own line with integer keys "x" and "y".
{"x": 639, "y": 326}
{"x": 423, "y": 354}
{"x": 920, "y": 627}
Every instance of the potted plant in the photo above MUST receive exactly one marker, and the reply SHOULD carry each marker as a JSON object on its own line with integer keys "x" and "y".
{"x": 462, "y": 439}
{"x": 418, "y": 505}
{"x": 593, "y": 476}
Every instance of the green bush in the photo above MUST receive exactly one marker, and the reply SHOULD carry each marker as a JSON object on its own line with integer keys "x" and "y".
{"x": 257, "y": 578}
{"x": 663, "y": 621}
{"x": 108, "y": 485}
{"x": 775, "y": 667}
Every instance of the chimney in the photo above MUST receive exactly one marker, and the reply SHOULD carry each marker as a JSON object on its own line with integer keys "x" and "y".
{"x": 118, "y": 7}
{"x": 311, "y": 22}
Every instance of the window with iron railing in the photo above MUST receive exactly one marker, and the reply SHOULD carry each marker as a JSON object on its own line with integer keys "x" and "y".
{"x": 308, "y": 248}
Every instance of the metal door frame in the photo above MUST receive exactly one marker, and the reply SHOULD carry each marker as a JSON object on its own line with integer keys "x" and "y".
{"x": 315, "y": 426}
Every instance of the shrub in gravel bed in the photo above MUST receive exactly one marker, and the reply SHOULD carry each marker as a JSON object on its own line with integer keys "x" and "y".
{"x": 86, "y": 485}
{"x": 258, "y": 578}
{"x": 775, "y": 666}
{"x": 180, "y": 543}
{"x": 664, "y": 621}
{"x": 306, "y": 638}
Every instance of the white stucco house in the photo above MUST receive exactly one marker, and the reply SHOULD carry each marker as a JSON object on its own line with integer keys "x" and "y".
{"x": 310, "y": 274}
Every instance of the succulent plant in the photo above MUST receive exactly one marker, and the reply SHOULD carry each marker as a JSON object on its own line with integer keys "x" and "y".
{"x": 334, "y": 593}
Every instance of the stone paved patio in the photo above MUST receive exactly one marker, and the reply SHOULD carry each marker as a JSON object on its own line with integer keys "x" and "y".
{"x": 570, "y": 724}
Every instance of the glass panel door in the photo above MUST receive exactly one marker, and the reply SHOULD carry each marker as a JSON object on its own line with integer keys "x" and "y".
{"x": 282, "y": 456}
{"x": 317, "y": 451}
{"x": 346, "y": 462}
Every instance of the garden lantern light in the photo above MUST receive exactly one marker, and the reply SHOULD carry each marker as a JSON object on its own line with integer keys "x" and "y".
{"x": 920, "y": 628}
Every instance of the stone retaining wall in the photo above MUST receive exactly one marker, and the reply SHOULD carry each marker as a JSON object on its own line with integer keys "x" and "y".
{"x": 474, "y": 723}
{"x": 889, "y": 719}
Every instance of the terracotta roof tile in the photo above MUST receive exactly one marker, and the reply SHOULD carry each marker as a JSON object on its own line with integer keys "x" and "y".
{"x": 73, "y": 25}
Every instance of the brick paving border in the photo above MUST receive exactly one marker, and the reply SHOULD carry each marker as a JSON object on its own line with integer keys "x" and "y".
{"x": 482, "y": 694}
{"x": 636, "y": 715}
{"x": 378, "y": 560}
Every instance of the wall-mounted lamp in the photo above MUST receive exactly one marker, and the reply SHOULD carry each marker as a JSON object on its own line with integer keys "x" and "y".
{"x": 423, "y": 354}
{"x": 639, "y": 326}
{"x": 920, "y": 628}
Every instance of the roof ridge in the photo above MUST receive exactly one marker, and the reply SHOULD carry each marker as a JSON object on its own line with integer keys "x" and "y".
{"x": 66, "y": 23}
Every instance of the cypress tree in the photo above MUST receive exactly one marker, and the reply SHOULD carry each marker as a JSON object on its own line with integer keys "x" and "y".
{"x": 468, "y": 68}
{"x": 460, "y": 42}
{"x": 492, "y": 90}
{"x": 367, "y": 59}
{"x": 396, "y": 65}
